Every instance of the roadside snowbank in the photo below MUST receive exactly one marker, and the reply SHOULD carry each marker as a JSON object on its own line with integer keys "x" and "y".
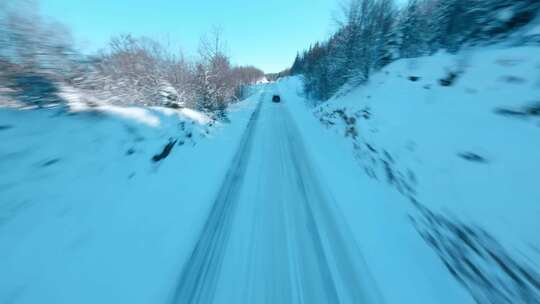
{"x": 403, "y": 267}
{"x": 453, "y": 140}
{"x": 88, "y": 216}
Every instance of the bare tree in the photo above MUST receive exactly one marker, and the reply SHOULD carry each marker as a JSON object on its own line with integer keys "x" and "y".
{"x": 214, "y": 77}
{"x": 132, "y": 70}
{"x": 212, "y": 44}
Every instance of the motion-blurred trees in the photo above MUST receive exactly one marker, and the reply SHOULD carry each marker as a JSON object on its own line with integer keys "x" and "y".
{"x": 373, "y": 33}
{"x": 34, "y": 54}
{"x": 30, "y": 44}
{"x": 145, "y": 71}
{"x": 37, "y": 58}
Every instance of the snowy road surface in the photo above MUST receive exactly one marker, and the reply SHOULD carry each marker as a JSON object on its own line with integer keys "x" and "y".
{"x": 273, "y": 234}
{"x": 268, "y": 208}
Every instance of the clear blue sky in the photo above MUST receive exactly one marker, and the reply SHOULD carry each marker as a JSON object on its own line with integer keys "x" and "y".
{"x": 266, "y": 34}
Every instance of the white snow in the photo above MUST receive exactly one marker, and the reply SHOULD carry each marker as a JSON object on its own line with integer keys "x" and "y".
{"x": 404, "y": 268}
{"x": 138, "y": 114}
{"x": 263, "y": 80}
{"x": 453, "y": 146}
{"x": 87, "y": 217}
{"x": 425, "y": 126}
{"x": 196, "y": 116}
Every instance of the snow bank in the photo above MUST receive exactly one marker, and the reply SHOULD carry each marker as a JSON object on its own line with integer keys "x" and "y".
{"x": 88, "y": 216}
{"x": 469, "y": 144}
{"x": 138, "y": 114}
{"x": 451, "y": 143}
{"x": 404, "y": 269}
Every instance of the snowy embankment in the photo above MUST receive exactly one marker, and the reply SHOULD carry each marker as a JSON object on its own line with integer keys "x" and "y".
{"x": 404, "y": 269}
{"x": 103, "y": 204}
{"x": 455, "y": 138}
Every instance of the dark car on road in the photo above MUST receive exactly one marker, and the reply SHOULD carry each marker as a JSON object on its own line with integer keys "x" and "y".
{"x": 276, "y": 98}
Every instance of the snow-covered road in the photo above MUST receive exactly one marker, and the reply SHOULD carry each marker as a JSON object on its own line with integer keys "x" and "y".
{"x": 273, "y": 235}
{"x": 267, "y": 208}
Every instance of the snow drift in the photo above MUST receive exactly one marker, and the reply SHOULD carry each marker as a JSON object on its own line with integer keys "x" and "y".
{"x": 102, "y": 204}
{"x": 457, "y": 136}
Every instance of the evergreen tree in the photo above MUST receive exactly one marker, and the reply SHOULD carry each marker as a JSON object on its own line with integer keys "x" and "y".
{"x": 373, "y": 33}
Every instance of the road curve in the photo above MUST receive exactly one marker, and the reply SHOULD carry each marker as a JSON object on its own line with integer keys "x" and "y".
{"x": 274, "y": 235}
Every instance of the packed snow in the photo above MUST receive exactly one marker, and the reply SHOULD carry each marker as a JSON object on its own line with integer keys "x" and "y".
{"x": 88, "y": 216}
{"x": 457, "y": 137}
{"x": 417, "y": 187}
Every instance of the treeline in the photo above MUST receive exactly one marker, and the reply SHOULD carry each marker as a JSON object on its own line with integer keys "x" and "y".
{"x": 144, "y": 71}
{"x": 373, "y": 33}
{"x": 37, "y": 59}
{"x": 276, "y": 76}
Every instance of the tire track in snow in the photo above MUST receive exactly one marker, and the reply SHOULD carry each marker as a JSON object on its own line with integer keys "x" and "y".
{"x": 198, "y": 279}
{"x": 347, "y": 277}
{"x": 274, "y": 235}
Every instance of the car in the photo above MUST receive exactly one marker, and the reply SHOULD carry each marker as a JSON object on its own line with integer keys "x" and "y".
{"x": 276, "y": 98}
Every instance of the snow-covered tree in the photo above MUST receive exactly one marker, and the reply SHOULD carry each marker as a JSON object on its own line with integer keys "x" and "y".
{"x": 366, "y": 40}
{"x": 373, "y": 33}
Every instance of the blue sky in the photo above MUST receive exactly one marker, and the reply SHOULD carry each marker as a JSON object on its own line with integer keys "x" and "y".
{"x": 263, "y": 33}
